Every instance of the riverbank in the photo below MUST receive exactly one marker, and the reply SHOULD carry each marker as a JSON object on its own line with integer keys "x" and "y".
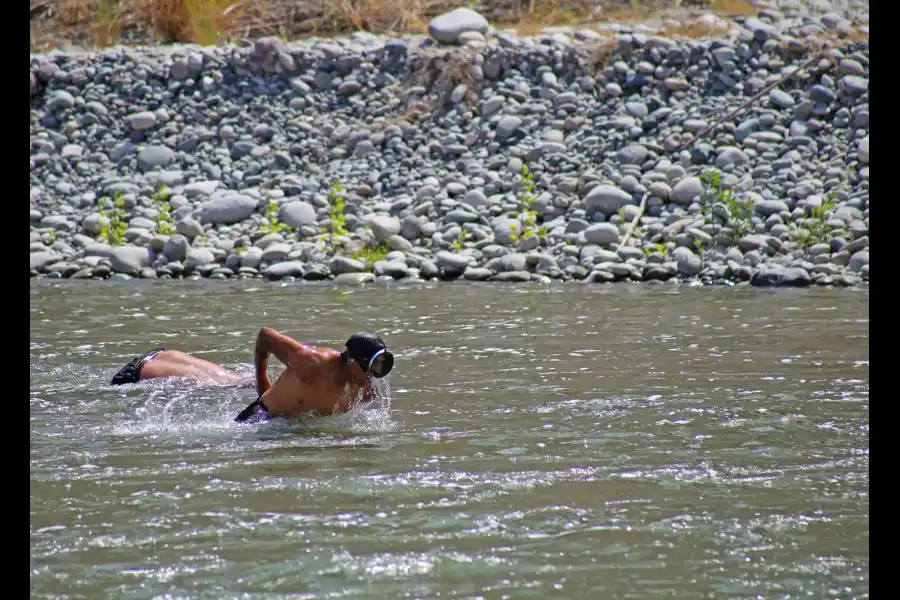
{"x": 577, "y": 154}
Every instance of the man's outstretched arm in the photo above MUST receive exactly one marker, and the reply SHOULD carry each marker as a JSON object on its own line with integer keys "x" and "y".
{"x": 292, "y": 353}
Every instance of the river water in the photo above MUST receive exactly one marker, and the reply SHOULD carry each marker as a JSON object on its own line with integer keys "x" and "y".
{"x": 620, "y": 441}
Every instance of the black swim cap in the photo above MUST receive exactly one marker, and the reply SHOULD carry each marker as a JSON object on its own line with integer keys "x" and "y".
{"x": 364, "y": 347}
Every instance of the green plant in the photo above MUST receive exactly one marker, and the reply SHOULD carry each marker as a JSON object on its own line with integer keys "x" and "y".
{"x": 336, "y": 213}
{"x": 814, "y": 229}
{"x": 371, "y": 254}
{"x": 526, "y": 215}
{"x": 51, "y": 238}
{"x": 113, "y": 230}
{"x": 273, "y": 225}
{"x": 163, "y": 216}
{"x": 657, "y": 247}
{"x": 461, "y": 239}
{"x": 716, "y": 192}
{"x": 699, "y": 246}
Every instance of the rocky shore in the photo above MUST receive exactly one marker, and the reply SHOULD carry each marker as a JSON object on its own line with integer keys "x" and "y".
{"x": 575, "y": 155}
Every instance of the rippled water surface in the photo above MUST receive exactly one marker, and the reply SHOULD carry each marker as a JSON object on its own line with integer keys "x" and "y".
{"x": 562, "y": 442}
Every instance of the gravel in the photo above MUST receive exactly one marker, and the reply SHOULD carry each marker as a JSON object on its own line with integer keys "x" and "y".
{"x": 429, "y": 136}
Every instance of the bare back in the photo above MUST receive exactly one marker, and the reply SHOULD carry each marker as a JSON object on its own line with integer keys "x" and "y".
{"x": 327, "y": 389}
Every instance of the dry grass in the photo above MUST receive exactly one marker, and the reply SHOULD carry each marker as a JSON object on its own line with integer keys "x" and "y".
{"x": 204, "y": 22}
{"x": 694, "y": 29}
{"x": 601, "y": 55}
{"x": 534, "y": 15}
{"x": 733, "y": 8}
{"x": 377, "y": 16}
{"x": 103, "y": 22}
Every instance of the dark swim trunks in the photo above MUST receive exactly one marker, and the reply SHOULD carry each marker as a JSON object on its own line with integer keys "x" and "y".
{"x": 131, "y": 373}
{"x": 254, "y": 413}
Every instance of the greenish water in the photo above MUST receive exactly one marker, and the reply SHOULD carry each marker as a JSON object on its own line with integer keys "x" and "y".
{"x": 562, "y": 442}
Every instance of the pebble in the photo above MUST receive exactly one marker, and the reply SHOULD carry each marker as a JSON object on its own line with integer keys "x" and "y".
{"x": 231, "y": 129}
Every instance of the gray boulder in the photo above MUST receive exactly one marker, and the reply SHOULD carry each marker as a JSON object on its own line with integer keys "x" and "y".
{"x": 229, "y": 209}
{"x": 447, "y": 27}
{"x": 129, "y": 259}
{"x": 606, "y": 199}
{"x": 296, "y": 213}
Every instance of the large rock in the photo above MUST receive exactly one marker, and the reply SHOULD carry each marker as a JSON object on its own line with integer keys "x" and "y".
{"x": 292, "y": 268}
{"x": 41, "y": 259}
{"x": 632, "y": 154}
{"x": 354, "y": 278}
{"x": 189, "y": 227}
{"x": 297, "y": 213}
{"x": 447, "y": 27}
{"x": 276, "y": 252}
{"x": 384, "y": 227}
{"x": 252, "y": 257}
{"x": 729, "y": 155}
{"x": 781, "y": 277}
{"x": 606, "y": 199}
{"x": 450, "y": 261}
{"x": 198, "y": 257}
{"x": 227, "y": 209}
{"x": 507, "y": 126}
{"x": 602, "y": 234}
{"x": 341, "y": 264}
{"x": 200, "y": 188}
{"x": 152, "y": 157}
{"x": 411, "y": 227}
{"x": 859, "y": 260}
{"x": 176, "y": 248}
{"x": 476, "y": 199}
{"x": 689, "y": 264}
{"x": 510, "y": 262}
{"x": 94, "y": 223}
{"x": 98, "y": 249}
{"x": 129, "y": 259}
{"x": 863, "y": 150}
{"x": 60, "y": 100}
{"x": 769, "y": 207}
{"x": 142, "y": 120}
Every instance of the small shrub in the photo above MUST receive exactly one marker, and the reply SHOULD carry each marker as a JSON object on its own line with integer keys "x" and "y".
{"x": 164, "y": 214}
{"x": 814, "y": 229}
{"x": 461, "y": 239}
{"x": 113, "y": 231}
{"x": 657, "y": 247}
{"x": 526, "y": 215}
{"x": 740, "y": 212}
{"x": 336, "y": 213}
{"x": 371, "y": 254}
{"x": 273, "y": 225}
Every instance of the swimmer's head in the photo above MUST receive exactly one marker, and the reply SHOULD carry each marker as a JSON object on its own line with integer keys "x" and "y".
{"x": 369, "y": 351}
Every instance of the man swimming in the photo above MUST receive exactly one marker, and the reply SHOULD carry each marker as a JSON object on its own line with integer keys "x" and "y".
{"x": 315, "y": 379}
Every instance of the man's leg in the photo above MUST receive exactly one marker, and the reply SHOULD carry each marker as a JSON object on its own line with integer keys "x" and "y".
{"x": 172, "y": 363}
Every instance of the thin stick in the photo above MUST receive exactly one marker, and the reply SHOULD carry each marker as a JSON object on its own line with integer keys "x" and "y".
{"x": 729, "y": 116}
{"x": 748, "y": 103}
{"x": 636, "y": 219}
